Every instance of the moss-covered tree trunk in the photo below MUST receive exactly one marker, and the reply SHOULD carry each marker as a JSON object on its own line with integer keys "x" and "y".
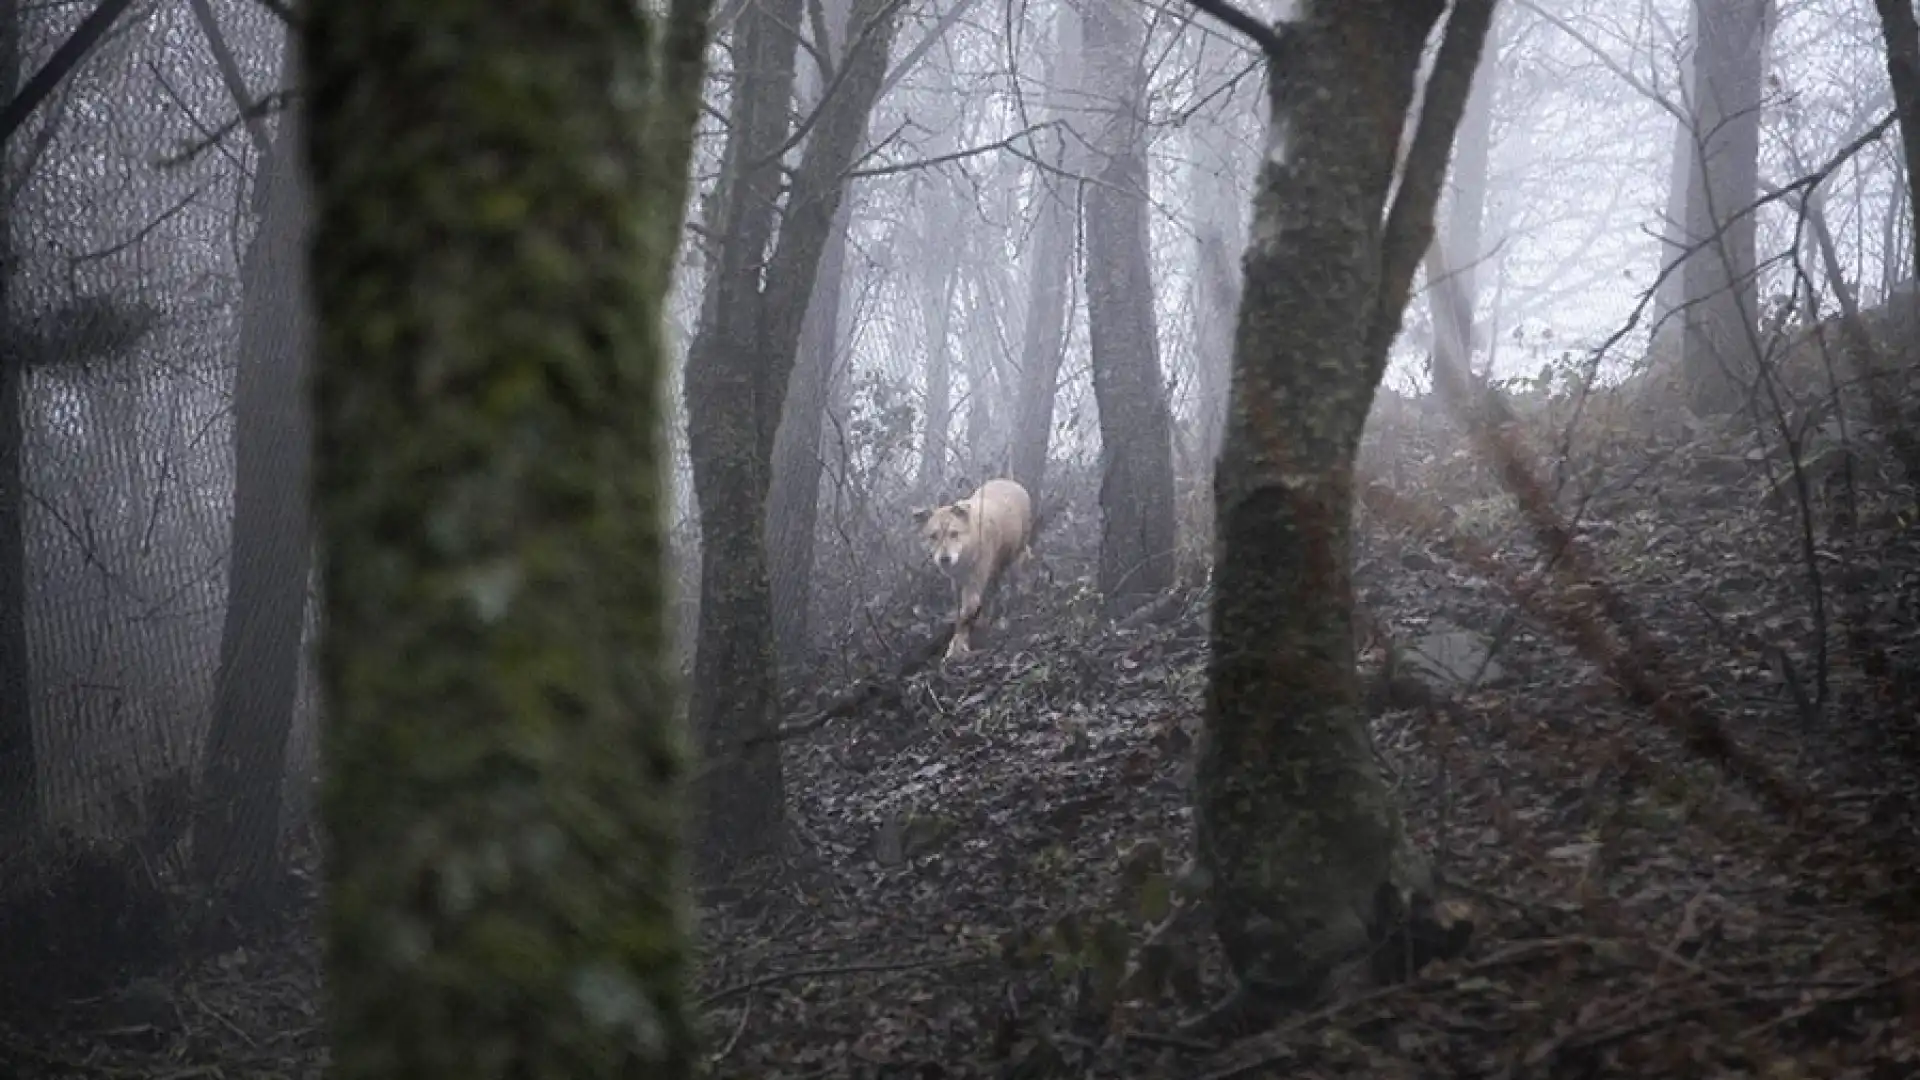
{"x": 1300, "y": 835}
{"x": 237, "y": 828}
{"x": 738, "y": 367}
{"x": 498, "y": 191}
{"x": 1136, "y": 427}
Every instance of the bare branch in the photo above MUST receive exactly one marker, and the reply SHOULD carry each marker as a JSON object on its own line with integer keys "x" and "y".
{"x": 1262, "y": 35}
{"x": 958, "y": 155}
{"x": 1409, "y": 229}
{"x": 65, "y": 61}
{"x": 236, "y": 83}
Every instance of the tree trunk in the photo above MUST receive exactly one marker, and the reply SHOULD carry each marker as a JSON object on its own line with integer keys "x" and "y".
{"x": 793, "y": 501}
{"x": 1219, "y": 238}
{"x": 734, "y": 688}
{"x": 19, "y": 794}
{"x": 1049, "y": 266}
{"x": 506, "y": 893}
{"x": 987, "y": 403}
{"x": 236, "y": 831}
{"x": 1136, "y": 430}
{"x": 1300, "y": 834}
{"x": 936, "y": 316}
{"x": 793, "y": 504}
{"x": 737, "y": 374}
{"x": 1729, "y": 64}
{"x": 1466, "y": 216}
{"x": 1670, "y": 292}
{"x": 1902, "y": 35}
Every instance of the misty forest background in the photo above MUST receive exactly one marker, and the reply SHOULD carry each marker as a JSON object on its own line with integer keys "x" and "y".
{"x": 1608, "y": 669}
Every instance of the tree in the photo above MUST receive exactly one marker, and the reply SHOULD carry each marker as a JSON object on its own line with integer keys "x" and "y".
{"x": 1669, "y": 294}
{"x": 738, "y": 367}
{"x": 1720, "y": 292}
{"x": 1218, "y": 238}
{"x": 1902, "y": 35}
{"x": 793, "y": 500}
{"x": 503, "y": 755}
{"x": 236, "y": 829}
{"x": 1466, "y": 210}
{"x": 1308, "y": 856}
{"x": 1136, "y": 427}
{"x": 940, "y": 277}
{"x": 1049, "y": 263}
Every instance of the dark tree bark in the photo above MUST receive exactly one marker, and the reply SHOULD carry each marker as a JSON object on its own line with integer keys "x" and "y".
{"x": 1049, "y": 266}
{"x": 237, "y": 827}
{"x": 738, "y": 368}
{"x": 506, "y": 893}
{"x": 1136, "y": 428}
{"x": 1305, "y": 846}
{"x": 793, "y": 504}
{"x": 1902, "y": 35}
{"x": 1721, "y": 294}
{"x": 19, "y": 800}
{"x": 793, "y": 501}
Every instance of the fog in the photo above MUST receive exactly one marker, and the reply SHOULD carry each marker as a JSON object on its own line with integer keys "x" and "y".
{"x": 1034, "y": 271}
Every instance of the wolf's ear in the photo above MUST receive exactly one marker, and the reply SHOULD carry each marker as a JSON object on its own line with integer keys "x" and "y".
{"x": 921, "y": 515}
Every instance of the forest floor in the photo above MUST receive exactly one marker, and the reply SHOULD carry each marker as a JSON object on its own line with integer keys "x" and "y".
{"x": 983, "y": 868}
{"x": 982, "y": 879}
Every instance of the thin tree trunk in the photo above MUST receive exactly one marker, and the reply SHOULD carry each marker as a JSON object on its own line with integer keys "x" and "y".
{"x": 1730, "y": 60}
{"x": 793, "y": 501}
{"x": 983, "y": 393}
{"x": 1902, "y": 35}
{"x": 1136, "y": 429}
{"x": 1669, "y": 294}
{"x": 506, "y": 893}
{"x": 1219, "y": 239}
{"x": 237, "y": 827}
{"x": 737, "y": 375}
{"x": 936, "y": 316}
{"x": 793, "y": 504}
{"x": 1308, "y": 854}
{"x": 1049, "y": 267}
{"x": 1466, "y": 217}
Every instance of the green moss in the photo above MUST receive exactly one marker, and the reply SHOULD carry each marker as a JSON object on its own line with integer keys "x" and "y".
{"x": 506, "y": 891}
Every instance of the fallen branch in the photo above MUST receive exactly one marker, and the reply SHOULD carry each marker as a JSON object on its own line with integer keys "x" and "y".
{"x": 772, "y": 978}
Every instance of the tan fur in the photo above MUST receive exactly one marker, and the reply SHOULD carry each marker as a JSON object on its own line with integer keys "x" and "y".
{"x": 974, "y": 542}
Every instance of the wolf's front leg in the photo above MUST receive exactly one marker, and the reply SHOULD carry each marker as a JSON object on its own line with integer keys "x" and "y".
{"x": 963, "y": 624}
